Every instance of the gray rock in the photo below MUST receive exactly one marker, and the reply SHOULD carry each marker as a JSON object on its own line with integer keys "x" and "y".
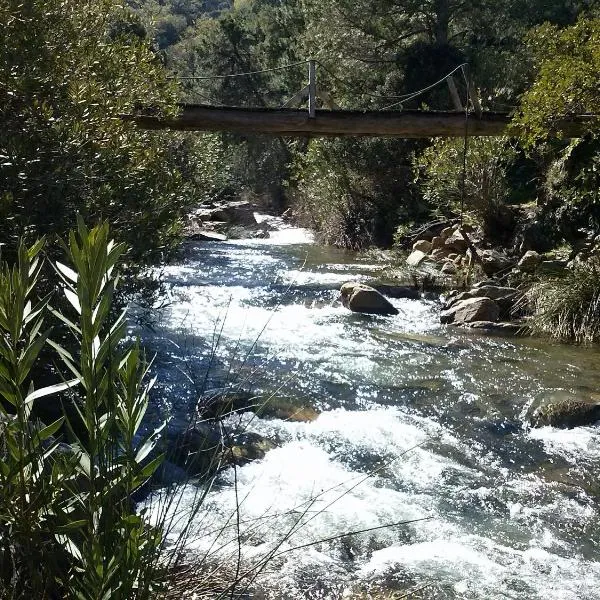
{"x": 447, "y": 232}
{"x": 438, "y": 242}
{"x": 469, "y": 310}
{"x": 552, "y": 266}
{"x": 361, "y": 298}
{"x": 422, "y": 245}
{"x": 207, "y": 236}
{"x": 415, "y": 258}
{"x": 457, "y": 242}
{"x": 529, "y": 261}
{"x": 397, "y": 291}
{"x": 566, "y": 414}
{"x": 494, "y": 261}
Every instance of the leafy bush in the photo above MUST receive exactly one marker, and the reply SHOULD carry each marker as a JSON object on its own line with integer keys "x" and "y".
{"x": 68, "y": 70}
{"x": 355, "y": 192}
{"x": 568, "y": 308}
{"x": 440, "y": 172}
{"x": 67, "y": 523}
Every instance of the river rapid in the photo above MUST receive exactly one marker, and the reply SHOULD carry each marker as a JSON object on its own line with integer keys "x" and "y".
{"x": 419, "y": 422}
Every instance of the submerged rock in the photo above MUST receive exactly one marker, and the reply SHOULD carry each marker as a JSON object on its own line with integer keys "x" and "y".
{"x": 566, "y": 414}
{"x": 469, "y": 310}
{"x": 361, "y": 298}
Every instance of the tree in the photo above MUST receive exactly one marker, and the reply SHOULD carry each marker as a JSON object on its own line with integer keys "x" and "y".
{"x": 68, "y": 70}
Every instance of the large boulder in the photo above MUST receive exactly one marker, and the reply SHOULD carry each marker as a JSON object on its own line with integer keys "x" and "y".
{"x": 397, "y": 291}
{"x": 457, "y": 243}
{"x": 469, "y": 310}
{"x": 566, "y": 414}
{"x": 361, "y": 298}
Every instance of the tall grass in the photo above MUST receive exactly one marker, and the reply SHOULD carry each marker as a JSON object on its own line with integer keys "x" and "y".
{"x": 568, "y": 307}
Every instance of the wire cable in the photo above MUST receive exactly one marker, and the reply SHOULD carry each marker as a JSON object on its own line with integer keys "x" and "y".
{"x": 207, "y": 77}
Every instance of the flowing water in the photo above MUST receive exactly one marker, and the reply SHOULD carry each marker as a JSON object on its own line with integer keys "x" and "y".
{"x": 420, "y": 423}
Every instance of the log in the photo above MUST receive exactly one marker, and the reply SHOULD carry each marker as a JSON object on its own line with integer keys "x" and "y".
{"x": 291, "y": 122}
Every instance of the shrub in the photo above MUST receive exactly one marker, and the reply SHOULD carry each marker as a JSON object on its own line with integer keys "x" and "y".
{"x": 67, "y": 522}
{"x": 439, "y": 171}
{"x": 568, "y": 308}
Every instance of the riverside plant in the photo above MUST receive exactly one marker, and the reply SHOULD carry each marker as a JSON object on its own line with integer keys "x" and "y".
{"x": 68, "y": 528}
{"x": 568, "y": 307}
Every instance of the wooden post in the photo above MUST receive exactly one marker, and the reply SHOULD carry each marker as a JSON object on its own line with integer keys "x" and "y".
{"x": 312, "y": 89}
{"x": 454, "y": 94}
{"x": 475, "y": 99}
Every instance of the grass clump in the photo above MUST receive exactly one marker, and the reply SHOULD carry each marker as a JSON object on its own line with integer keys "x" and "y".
{"x": 568, "y": 307}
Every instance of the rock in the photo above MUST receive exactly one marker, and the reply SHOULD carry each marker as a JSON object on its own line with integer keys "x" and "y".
{"x": 499, "y": 327}
{"x": 358, "y": 297}
{"x": 449, "y": 268}
{"x": 529, "y": 261}
{"x": 469, "y": 310}
{"x": 207, "y": 236}
{"x": 566, "y": 414}
{"x": 457, "y": 242}
{"x": 416, "y": 258}
{"x": 493, "y": 261}
{"x": 440, "y": 253}
{"x": 397, "y": 291}
{"x": 219, "y": 402}
{"x": 423, "y": 246}
{"x": 446, "y": 232}
{"x": 239, "y": 213}
{"x": 437, "y": 242}
{"x": 494, "y": 292}
{"x": 203, "y": 449}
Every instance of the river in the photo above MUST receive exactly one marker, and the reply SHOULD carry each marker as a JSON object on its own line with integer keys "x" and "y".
{"x": 419, "y": 422}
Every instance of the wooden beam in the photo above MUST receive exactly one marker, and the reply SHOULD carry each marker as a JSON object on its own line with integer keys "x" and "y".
{"x": 289, "y": 122}
{"x": 312, "y": 89}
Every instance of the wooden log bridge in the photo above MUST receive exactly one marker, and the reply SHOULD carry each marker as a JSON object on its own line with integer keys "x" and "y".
{"x": 299, "y": 123}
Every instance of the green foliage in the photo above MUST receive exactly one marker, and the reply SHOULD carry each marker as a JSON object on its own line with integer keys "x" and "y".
{"x": 353, "y": 197}
{"x": 567, "y": 63}
{"x": 68, "y": 69}
{"x": 440, "y": 171}
{"x": 67, "y": 524}
{"x": 568, "y": 308}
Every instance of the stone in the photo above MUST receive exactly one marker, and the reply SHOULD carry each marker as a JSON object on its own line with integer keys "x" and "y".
{"x": 416, "y": 258}
{"x": 219, "y": 402}
{"x": 552, "y": 266}
{"x": 397, "y": 291}
{"x": 207, "y": 236}
{"x": 493, "y": 291}
{"x": 529, "y": 261}
{"x": 500, "y": 327}
{"x": 446, "y": 232}
{"x": 440, "y": 253}
{"x": 457, "y": 242}
{"x": 449, "y": 268}
{"x": 423, "y": 246}
{"x": 437, "y": 242}
{"x": 566, "y": 414}
{"x": 469, "y": 310}
{"x": 494, "y": 261}
{"x": 361, "y": 298}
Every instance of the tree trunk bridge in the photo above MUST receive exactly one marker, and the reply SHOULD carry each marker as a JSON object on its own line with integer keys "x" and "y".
{"x": 339, "y": 123}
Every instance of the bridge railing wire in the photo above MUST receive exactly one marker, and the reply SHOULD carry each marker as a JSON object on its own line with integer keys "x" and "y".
{"x": 400, "y": 100}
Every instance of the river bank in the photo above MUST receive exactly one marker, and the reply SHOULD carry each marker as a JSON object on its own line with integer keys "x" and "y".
{"x": 417, "y": 421}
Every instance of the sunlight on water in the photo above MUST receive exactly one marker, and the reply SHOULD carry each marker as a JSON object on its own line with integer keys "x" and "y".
{"x": 422, "y": 423}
